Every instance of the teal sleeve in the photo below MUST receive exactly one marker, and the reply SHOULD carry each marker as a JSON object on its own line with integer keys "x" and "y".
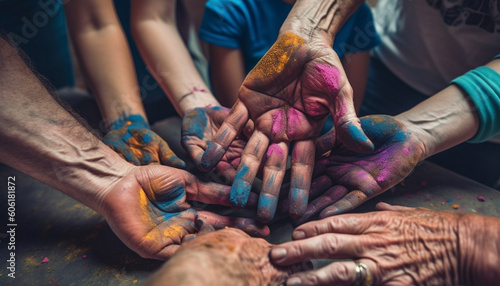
{"x": 497, "y": 57}
{"x": 482, "y": 85}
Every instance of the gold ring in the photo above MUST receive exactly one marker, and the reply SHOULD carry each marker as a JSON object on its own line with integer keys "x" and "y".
{"x": 363, "y": 275}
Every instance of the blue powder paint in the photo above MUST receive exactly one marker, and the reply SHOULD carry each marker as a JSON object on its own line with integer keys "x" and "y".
{"x": 356, "y": 134}
{"x": 147, "y": 138}
{"x": 127, "y": 136}
{"x": 449, "y": 200}
{"x": 217, "y": 108}
{"x": 240, "y": 189}
{"x": 129, "y": 157}
{"x": 169, "y": 202}
{"x": 195, "y": 123}
{"x": 210, "y": 157}
{"x": 146, "y": 157}
{"x": 136, "y": 120}
{"x": 267, "y": 207}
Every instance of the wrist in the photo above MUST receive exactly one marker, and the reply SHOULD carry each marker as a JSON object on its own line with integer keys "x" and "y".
{"x": 320, "y": 21}
{"x": 422, "y": 138}
{"x": 129, "y": 121}
{"x": 197, "y": 99}
{"x": 479, "y": 248}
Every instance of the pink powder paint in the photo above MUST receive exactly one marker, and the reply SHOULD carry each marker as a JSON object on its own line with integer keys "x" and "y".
{"x": 277, "y": 122}
{"x": 331, "y": 77}
{"x": 275, "y": 148}
{"x": 293, "y": 119}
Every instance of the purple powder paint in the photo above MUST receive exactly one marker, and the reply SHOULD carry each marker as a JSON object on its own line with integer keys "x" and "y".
{"x": 277, "y": 122}
{"x": 293, "y": 119}
{"x": 480, "y": 198}
{"x": 331, "y": 76}
{"x": 275, "y": 148}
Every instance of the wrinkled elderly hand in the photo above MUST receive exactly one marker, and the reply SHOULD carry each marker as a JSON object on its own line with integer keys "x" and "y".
{"x": 227, "y": 257}
{"x": 148, "y": 211}
{"x": 345, "y": 180}
{"x": 288, "y": 95}
{"x": 400, "y": 246}
{"x": 199, "y": 127}
{"x": 132, "y": 138}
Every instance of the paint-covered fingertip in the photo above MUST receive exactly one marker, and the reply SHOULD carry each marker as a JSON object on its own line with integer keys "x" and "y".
{"x": 357, "y": 141}
{"x": 257, "y": 230}
{"x": 240, "y": 191}
{"x": 330, "y": 211}
{"x": 266, "y": 208}
{"x": 298, "y": 202}
{"x": 211, "y": 157}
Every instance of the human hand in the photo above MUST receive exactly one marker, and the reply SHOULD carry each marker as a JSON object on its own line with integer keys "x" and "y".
{"x": 147, "y": 209}
{"x": 399, "y": 245}
{"x": 199, "y": 127}
{"x": 132, "y": 138}
{"x": 225, "y": 257}
{"x": 288, "y": 95}
{"x": 345, "y": 180}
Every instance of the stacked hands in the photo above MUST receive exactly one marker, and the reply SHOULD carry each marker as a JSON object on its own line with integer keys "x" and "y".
{"x": 285, "y": 98}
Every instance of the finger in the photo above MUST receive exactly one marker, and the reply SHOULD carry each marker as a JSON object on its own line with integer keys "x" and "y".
{"x": 337, "y": 273}
{"x": 349, "y": 202}
{"x": 347, "y": 124}
{"x": 329, "y": 197}
{"x": 194, "y": 124}
{"x": 214, "y": 193}
{"x": 302, "y": 168}
{"x": 168, "y": 157}
{"x": 387, "y": 207}
{"x": 229, "y": 129}
{"x": 128, "y": 155}
{"x": 204, "y": 226}
{"x": 249, "y": 165}
{"x": 347, "y": 223}
{"x": 274, "y": 172}
{"x": 247, "y": 225}
{"x": 331, "y": 246}
{"x": 326, "y": 142}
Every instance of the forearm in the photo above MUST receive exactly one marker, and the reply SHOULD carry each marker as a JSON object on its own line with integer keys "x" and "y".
{"x": 319, "y": 20}
{"x": 479, "y": 247}
{"x": 162, "y": 48}
{"x": 41, "y": 139}
{"x": 103, "y": 52}
{"x": 442, "y": 121}
{"x": 455, "y": 114}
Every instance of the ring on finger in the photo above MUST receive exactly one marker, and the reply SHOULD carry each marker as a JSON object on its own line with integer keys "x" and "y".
{"x": 363, "y": 275}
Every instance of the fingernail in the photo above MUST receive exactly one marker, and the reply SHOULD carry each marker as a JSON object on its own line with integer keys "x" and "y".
{"x": 298, "y": 234}
{"x": 294, "y": 281}
{"x": 278, "y": 253}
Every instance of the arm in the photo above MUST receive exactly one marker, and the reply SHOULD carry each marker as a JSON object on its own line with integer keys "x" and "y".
{"x": 155, "y": 32}
{"x": 227, "y": 72}
{"x": 145, "y": 206}
{"x": 356, "y": 69}
{"x": 104, "y": 54}
{"x": 447, "y": 118}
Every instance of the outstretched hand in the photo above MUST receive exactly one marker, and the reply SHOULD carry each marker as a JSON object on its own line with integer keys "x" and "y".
{"x": 199, "y": 127}
{"x": 344, "y": 180}
{"x": 399, "y": 246}
{"x": 135, "y": 142}
{"x": 148, "y": 209}
{"x": 288, "y": 95}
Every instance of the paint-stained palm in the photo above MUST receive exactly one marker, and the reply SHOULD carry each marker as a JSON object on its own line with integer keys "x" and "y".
{"x": 135, "y": 142}
{"x": 344, "y": 179}
{"x": 147, "y": 209}
{"x": 199, "y": 127}
{"x": 288, "y": 95}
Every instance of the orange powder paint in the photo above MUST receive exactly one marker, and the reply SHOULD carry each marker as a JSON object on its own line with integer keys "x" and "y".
{"x": 275, "y": 60}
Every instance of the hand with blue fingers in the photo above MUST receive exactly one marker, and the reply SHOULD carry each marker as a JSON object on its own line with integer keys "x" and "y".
{"x": 199, "y": 127}
{"x": 131, "y": 137}
{"x": 148, "y": 209}
{"x": 288, "y": 95}
{"x": 344, "y": 179}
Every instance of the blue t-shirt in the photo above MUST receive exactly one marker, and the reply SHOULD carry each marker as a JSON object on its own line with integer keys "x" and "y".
{"x": 253, "y": 26}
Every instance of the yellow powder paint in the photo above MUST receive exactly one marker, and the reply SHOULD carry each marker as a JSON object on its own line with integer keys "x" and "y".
{"x": 173, "y": 231}
{"x": 275, "y": 60}
{"x": 31, "y": 261}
